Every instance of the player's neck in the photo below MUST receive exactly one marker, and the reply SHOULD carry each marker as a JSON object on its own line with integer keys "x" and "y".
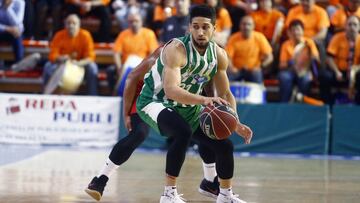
{"x": 200, "y": 49}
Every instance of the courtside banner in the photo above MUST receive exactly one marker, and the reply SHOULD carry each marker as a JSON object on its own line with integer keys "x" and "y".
{"x": 63, "y": 120}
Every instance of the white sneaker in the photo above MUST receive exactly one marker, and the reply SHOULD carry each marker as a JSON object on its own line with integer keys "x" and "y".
{"x": 233, "y": 198}
{"x": 172, "y": 198}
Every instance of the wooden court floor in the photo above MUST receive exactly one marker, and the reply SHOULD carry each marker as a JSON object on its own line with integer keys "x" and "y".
{"x": 60, "y": 176}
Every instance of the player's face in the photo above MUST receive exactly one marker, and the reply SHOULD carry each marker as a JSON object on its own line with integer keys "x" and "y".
{"x": 202, "y": 31}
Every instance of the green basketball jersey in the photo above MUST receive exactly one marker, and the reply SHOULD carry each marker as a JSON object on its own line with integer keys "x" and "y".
{"x": 197, "y": 72}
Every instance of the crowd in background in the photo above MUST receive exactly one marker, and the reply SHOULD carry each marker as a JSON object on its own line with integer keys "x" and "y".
{"x": 262, "y": 38}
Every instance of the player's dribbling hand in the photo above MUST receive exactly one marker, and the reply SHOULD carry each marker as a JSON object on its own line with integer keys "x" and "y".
{"x": 245, "y": 132}
{"x": 212, "y": 100}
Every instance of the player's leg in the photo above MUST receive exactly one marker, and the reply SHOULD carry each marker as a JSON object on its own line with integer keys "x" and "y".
{"x": 209, "y": 186}
{"x": 171, "y": 124}
{"x": 120, "y": 153}
{"x": 223, "y": 150}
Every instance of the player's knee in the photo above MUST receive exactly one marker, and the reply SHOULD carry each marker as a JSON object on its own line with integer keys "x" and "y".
{"x": 142, "y": 132}
{"x": 225, "y": 147}
{"x": 173, "y": 125}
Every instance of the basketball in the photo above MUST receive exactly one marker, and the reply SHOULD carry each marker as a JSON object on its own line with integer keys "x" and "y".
{"x": 218, "y": 121}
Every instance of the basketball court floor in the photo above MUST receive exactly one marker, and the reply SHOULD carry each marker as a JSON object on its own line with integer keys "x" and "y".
{"x": 60, "y": 174}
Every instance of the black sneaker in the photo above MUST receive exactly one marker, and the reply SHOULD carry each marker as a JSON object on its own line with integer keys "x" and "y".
{"x": 210, "y": 189}
{"x": 96, "y": 187}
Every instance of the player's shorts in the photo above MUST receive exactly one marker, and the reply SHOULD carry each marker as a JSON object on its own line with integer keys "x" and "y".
{"x": 150, "y": 112}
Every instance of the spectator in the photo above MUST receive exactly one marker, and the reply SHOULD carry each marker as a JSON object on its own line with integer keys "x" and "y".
{"x": 11, "y": 25}
{"x": 75, "y": 44}
{"x": 338, "y": 20}
{"x": 281, "y": 5}
{"x": 343, "y": 51}
{"x": 150, "y": 10}
{"x": 176, "y": 25}
{"x": 237, "y": 10}
{"x": 223, "y": 22}
{"x": 335, "y": 5}
{"x": 162, "y": 11}
{"x": 268, "y": 21}
{"x": 316, "y": 23}
{"x": 314, "y": 18}
{"x": 123, "y": 9}
{"x": 42, "y": 8}
{"x": 249, "y": 52}
{"x": 98, "y": 8}
{"x": 136, "y": 40}
{"x": 289, "y": 69}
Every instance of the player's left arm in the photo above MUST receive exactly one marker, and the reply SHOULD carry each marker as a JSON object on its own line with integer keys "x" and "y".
{"x": 222, "y": 87}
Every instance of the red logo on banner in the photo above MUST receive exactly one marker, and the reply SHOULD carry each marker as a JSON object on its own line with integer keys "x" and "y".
{"x": 13, "y": 107}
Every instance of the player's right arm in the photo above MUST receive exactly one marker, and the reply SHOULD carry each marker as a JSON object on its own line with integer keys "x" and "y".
{"x": 174, "y": 58}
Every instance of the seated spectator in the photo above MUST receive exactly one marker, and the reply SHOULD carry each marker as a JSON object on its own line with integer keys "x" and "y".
{"x": 338, "y": 20}
{"x": 98, "y": 8}
{"x": 11, "y": 25}
{"x": 223, "y": 22}
{"x": 75, "y": 44}
{"x": 343, "y": 52}
{"x": 177, "y": 25}
{"x": 291, "y": 69}
{"x": 314, "y": 18}
{"x": 268, "y": 21}
{"x": 42, "y": 7}
{"x": 249, "y": 52}
{"x": 136, "y": 40}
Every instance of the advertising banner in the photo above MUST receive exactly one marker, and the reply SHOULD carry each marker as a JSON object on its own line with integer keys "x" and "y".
{"x": 59, "y": 120}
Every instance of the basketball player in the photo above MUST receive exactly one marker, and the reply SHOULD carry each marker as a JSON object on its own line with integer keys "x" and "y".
{"x": 170, "y": 101}
{"x": 138, "y": 131}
